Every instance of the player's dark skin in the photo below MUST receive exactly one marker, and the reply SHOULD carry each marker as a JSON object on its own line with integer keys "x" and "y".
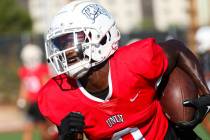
{"x": 178, "y": 56}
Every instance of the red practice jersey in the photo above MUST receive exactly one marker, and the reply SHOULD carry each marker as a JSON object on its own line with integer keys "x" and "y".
{"x": 33, "y": 80}
{"x": 130, "y": 111}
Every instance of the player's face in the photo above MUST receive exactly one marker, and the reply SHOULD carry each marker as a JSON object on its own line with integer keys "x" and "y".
{"x": 72, "y": 43}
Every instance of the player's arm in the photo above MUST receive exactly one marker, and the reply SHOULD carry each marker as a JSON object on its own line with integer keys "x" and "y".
{"x": 21, "y": 101}
{"x": 180, "y": 56}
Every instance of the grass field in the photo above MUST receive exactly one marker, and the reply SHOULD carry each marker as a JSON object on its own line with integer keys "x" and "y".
{"x": 202, "y": 133}
{"x": 17, "y": 135}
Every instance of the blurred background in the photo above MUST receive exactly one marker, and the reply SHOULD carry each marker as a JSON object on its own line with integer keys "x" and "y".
{"x": 26, "y": 21}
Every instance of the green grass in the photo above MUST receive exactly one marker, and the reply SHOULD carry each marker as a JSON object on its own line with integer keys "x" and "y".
{"x": 200, "y": 131}
{"x": 17, "y": 136}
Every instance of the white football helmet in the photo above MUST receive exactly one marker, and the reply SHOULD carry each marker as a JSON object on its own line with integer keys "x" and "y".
{"x": 31, "y": 56}
{"x": 202, "y": 38}
{"x": 82, "y": 34}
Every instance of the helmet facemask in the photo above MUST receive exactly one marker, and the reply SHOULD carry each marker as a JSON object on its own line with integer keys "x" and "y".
{"x": 66, "y": 54}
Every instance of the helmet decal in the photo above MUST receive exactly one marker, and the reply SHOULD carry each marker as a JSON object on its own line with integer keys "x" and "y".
{"x": 92, "y": 11}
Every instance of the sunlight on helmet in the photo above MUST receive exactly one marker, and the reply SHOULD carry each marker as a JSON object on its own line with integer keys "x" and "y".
{"x": 202, "y": 38}
{"x": 82, "y": 35}
{"x": 31, "y": 56}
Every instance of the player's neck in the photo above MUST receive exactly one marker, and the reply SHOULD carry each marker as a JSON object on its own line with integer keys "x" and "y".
{"x": 97, "y": 79}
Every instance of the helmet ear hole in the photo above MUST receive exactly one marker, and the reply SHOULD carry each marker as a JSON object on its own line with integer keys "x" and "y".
{"x": 86, "y": 40}
{"x": 103, "y": 40}
{"x": 90, "y": 35}
{"x": 109, "y": 36}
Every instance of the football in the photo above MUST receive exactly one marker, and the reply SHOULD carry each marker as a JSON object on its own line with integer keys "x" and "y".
{"x": 178, "y": 88}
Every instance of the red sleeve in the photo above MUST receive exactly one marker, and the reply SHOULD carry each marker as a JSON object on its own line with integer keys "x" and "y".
{"x": 55, "y": 100}
{"x": 49, "y": 101}
{"x": 155, "y": 61}
{"x": 147, "y": 59}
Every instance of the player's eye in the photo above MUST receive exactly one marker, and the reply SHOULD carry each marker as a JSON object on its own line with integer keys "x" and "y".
{"x": 64, "y": 42}
{"x": 69, "y": 40}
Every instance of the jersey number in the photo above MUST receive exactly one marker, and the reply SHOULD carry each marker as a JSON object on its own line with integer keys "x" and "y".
{"x": 135, "y": 133}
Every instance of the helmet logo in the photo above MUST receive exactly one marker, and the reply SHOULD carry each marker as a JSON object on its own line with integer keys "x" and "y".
{"x": 92, "y": 11}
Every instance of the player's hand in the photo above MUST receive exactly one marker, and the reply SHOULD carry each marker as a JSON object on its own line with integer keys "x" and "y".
{"x": 202, "y": 106}
{"x": 72, "y": 125}
{"x": 21, "y": 103}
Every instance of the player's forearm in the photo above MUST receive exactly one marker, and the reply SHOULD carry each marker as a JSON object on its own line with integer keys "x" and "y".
{"x": 180, "y": 56}
{"x": 190, "y": 64}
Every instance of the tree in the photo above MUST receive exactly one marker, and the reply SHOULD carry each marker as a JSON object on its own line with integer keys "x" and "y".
{"x": 13, "y": 18}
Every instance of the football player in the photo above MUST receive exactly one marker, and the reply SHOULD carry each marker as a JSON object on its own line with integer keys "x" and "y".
{"x": 108, "y": 92}
{"x": 33, "y": 74}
